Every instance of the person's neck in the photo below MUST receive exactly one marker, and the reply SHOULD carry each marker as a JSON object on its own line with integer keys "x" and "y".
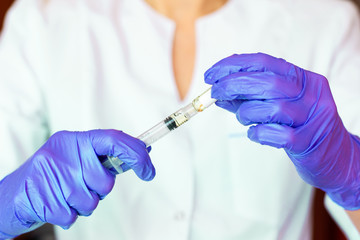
{"x": 185, "y": 10}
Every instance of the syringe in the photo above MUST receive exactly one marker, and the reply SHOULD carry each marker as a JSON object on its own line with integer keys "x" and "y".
{"x": 170, "y": 123}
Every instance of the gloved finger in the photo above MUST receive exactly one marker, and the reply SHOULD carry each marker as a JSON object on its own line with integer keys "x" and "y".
{"x": 128, "y": 149}
{"x": 74, "y": 191}
{"x": 61, "y": 215}
{"x": 275, "y": 135}
{"x": 50, "y": 207}
{"x": 294, "y": 140}
{"x": 83, "y": 201}
{"x": 278, "y": 111}
{"x": 258, "y": 62}
{"x": 47, "y": 200}
{"x": 64, "y": 220}
{"x": 231, "y": 105}
{"x": 148, "y": 149}
{"x": 256, "y": 85}
{"x": 96, "y": 177}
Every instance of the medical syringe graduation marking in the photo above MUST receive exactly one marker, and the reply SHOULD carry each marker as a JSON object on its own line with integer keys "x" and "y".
{"x": 170, "y": 123}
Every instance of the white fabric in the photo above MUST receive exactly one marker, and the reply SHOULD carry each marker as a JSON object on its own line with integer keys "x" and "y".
{"x": 87, "y": 64}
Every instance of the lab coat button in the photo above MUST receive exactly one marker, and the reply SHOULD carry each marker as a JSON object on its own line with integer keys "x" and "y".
{"x": 179, "y": 216}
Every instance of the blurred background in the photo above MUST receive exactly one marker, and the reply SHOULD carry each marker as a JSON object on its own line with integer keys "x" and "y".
{"x": 324, "y": 226}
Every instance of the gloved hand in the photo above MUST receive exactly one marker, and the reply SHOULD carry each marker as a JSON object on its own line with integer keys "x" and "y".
{"x": 65, "y": 178}
{"x": 293, "y": 109}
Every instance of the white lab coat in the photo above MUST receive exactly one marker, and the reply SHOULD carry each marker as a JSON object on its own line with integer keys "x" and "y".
{"x": 88, "y": 64}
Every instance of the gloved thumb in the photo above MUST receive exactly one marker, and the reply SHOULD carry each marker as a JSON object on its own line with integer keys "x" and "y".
{"x": 275, "y": 135}
{"x": 128, "y": 149}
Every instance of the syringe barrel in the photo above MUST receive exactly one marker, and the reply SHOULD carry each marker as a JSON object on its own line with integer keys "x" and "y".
{"x": 170, "y": 123}
{"x": 154, "y": 133}
{"x": 203, "y": 101}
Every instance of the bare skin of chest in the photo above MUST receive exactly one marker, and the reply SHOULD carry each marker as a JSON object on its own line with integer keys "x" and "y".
{"x": 184, "y": 13}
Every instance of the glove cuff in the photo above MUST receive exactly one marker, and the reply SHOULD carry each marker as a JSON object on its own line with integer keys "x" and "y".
{"x": 349, "y": 200}
{"x": 349, "y": 195}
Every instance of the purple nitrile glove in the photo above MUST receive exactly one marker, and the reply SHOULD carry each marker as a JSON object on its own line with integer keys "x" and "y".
{"x": 293, "y": 109}
{"x": 65, "y": 178}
